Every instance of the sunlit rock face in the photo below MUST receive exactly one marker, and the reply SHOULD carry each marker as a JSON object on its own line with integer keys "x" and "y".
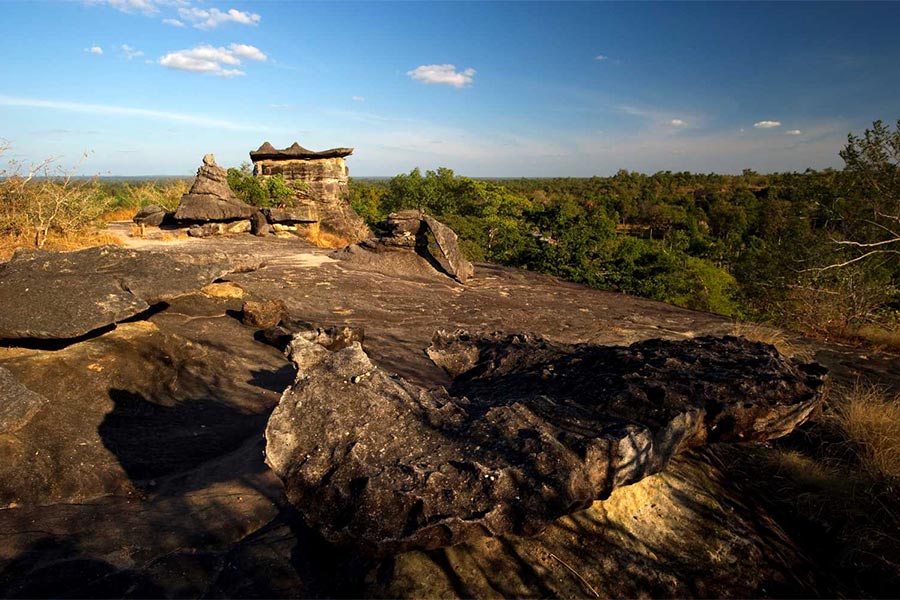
{"x": 323, "y": 194}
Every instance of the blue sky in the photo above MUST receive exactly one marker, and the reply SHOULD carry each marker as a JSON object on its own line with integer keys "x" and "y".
{"x": 487, "y": 89}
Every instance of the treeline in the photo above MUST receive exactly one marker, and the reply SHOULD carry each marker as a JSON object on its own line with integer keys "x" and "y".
{"x": 815, "y": 251}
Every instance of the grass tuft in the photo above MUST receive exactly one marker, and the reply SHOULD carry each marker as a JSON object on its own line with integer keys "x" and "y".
{"x": 324, "y": 239}
{"x": 870, "y": 420}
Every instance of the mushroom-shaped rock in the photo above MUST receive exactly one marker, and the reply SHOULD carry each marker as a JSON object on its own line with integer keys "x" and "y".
{"x": 529, "y": 432}
{"x": 210, "y": 198}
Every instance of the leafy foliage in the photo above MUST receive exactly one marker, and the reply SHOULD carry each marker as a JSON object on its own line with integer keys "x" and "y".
{"x": 262, "y": 192}
{"x": 816, "y": 250}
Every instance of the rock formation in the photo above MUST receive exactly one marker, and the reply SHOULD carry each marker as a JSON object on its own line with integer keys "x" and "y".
{"x": 409, "y": 230}
{"x": 529, "y": 431}
{"x": 210, "y": 198}
{"x": 152, "y": 215}
{"x": 65, "y": 295}
{"x": 323, "y": 195}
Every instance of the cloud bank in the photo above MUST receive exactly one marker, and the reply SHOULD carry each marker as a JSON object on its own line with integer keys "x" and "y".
{"x": 767, "y": 124}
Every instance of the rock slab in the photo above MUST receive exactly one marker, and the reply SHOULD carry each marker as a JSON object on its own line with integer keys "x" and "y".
{"x": 529, "y": 431}
{"x": 58, "y": 295}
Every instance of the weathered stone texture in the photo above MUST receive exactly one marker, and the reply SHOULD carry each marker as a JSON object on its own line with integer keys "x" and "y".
{"x": 51, "y": 295}
{"x": 531, "y": 431}
{"x": 324, "y": 195}
{"x": 210, "y": 198}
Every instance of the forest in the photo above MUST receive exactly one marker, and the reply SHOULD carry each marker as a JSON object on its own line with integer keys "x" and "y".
{"x": 817, "y": 251}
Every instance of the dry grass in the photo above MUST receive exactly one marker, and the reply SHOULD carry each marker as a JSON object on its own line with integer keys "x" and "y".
{"x": 123, "y": 213}
{"x": 768, "y": 335}
{"x": 879, "y": 338}
{"x": 870, "y": 420}
{"x": 56, "y": 241}
{"x": 324, "y": 239}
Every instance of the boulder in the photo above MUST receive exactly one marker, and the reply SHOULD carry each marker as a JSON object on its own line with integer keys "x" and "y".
{"x": 17, "y": 403}
{"x": 210, "y": 198}
{"x": 51, "y": 295}
{"x": 528, "y": 432}
{"x": 288, "y": 216}
{"x": 262, "y": 313}
{"x": 331, "y": 337}
{"x": 208, "y": 229}
{"x": 409, "y": 229}
{"x": 152, "y": 215}
{"x": 446, "y": 240}
{"x": 259, "y": 226}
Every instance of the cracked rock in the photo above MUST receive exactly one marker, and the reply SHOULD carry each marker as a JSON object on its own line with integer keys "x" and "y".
{"x": 529, "y": 430}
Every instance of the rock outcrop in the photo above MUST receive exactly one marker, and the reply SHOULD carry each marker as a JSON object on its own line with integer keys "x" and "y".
{"x": 152, "y": 215}
{"x": 529, "y": 431}
{"x": 51, "y": 295}
{"x": 210, "y": 198}
{"x": 321, "y": 182}
{"x": 409, "y": 230}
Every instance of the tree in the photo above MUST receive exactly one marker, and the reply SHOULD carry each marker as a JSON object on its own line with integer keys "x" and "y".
{"x": 47, "y": 198}
{"x": 868, "y": 220}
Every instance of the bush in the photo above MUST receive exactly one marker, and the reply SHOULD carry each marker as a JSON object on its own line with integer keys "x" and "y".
{"x": 262, "y": 192}
{"x": 48, "y": 199}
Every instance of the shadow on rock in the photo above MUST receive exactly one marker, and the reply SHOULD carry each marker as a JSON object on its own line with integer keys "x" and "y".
{"x": 152, "y": 439}
{"x": 53, "y": 567}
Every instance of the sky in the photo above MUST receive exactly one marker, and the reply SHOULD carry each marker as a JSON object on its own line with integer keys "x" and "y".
{"x": 147, "y": 87}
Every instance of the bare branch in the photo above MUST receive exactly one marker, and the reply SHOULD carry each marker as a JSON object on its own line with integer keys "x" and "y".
{"x": 866, "y": 245}
{"x": 851, "y": 261}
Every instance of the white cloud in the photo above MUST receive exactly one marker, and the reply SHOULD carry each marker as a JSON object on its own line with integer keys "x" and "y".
{"x": 248, "y": 52}
{"x": 212, "y": 60}
{"x": 146, "y": 7}
{"x": 173, "y": 22}
{"x": 130, "y": 52}
{"x": 767, "y": 124}
{"x": 601, "y": 57}
{"x": 212, "y": 18}
{"x": 443, "y": 74}
{"x": 358, "y": 99}
{"x": 103, "y": 109}
{"x": 676, "y": 123}
{"x": 94, "y": 50}
{"x": 794, "y": 132}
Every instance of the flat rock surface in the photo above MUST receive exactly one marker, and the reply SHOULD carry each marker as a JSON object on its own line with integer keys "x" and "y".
{"x": 50, "y": 295}
{"x": 212, "y": 519}
{"x": 17, "y": 403}
{"x": 531, "y": 431}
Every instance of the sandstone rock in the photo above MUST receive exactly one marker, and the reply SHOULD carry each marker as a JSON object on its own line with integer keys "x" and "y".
{"x": 208, "y": 229}
{"x": 321, "y": 183}
{"x": 531, "y": 432}
{"x": 331, "y": 337}
{"x": 446, "y": 240}
{"x": 17, "y": 403}
{"x": 289, "y": 216}
{"x": 259, "y": 226}
{"x": 262, "y": 313}
{"x": 152, "y": 215}
{"x": 410, "y": 229}
{"x": 210, "y": 198}
{"x": 49, "y": 295}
